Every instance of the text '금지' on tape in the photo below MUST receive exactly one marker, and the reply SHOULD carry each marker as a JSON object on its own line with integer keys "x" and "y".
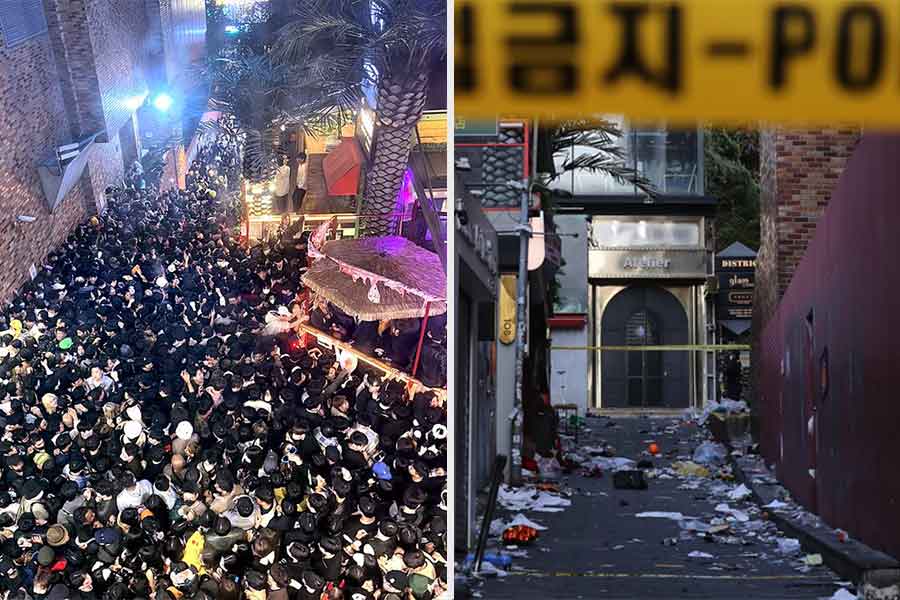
{"x": 720, "y": 61}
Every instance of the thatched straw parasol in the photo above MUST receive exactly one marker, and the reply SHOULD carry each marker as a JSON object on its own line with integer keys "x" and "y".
{"x": 379, "y": 278}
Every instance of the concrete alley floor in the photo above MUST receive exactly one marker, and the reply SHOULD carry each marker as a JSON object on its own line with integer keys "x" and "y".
{"x": 597, "y": 548}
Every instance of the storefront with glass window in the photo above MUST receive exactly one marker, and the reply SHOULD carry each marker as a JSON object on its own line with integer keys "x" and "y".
{"x": 648, "y": 279}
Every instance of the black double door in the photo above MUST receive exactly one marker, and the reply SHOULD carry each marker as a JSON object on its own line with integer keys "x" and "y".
{"x": 644, "y": 316}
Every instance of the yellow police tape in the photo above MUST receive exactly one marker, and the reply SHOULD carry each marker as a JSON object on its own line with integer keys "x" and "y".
{"x": 659, "y": 348}
{"x": 812, "y": 61}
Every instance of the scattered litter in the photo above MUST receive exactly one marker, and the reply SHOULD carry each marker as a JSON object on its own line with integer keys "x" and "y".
{"x": 501, "y": 561}
{"x": 733, "y": 512}
{"x": 690, "y": 469}
{"x": 593, "y": 471}
{"x": 812, "y": 560}
{"x": 489, "y": 570}
{"x": 698, "y": 554}
{"x": 521, "y": 519}
{"x": 619, "y": 547}
{"x": 612, "y": 464}
{"x": 776, "y": 504}
{"x": 709, "y": 452}
{"x": 843, "y": 594}
{"x": 788, "y": 545}
{"x": 726, "y": 406}
{"x": 675, "y": 516}
{"x": 670, "y": 541}
{"x": 549, "y": 468}
{"x": 528, "y": 498}
{"x": 740, "y": 493}
{"x": 698, "y": 526}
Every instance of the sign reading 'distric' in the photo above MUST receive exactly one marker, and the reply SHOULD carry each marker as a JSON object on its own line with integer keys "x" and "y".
{"x": 726, "y": 61}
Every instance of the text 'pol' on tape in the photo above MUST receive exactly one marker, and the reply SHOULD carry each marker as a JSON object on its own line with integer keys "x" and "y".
{"x": 811, "y": 62}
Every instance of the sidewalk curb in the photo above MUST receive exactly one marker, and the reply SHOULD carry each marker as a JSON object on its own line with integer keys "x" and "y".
{"x": 852, "y": 560}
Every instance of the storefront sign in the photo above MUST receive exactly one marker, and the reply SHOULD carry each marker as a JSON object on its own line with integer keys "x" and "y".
{"x": 507, "y": 309}
{"x": 647, "y": 264}
{"x": 736, "y": 277}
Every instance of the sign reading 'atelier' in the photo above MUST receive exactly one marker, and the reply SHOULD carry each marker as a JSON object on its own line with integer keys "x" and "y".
{"x": 645, "y": 262}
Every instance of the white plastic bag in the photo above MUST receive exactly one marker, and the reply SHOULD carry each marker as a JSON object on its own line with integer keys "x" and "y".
{"x": 709, "y": 452}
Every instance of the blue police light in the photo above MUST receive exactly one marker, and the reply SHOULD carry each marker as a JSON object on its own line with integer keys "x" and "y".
{"x": 163, "y": 102}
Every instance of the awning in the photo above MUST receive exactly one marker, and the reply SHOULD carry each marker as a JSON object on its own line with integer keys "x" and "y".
{"x": 342, "y": 168}
{"x": 737, "y": 326}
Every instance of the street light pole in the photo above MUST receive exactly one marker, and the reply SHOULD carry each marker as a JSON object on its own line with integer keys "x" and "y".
{"x": 517, "y": 417}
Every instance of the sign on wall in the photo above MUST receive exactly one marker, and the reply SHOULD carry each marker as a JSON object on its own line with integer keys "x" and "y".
{"x": 736, "y": 277}
{"x": 647, "y": 264}
{"x": 507, "y": 309}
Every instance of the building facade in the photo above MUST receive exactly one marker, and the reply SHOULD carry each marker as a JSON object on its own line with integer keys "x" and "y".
{"x": 73, "y": 72}
{"x": 475, "y": 385}
{"x": 645, "y": 281}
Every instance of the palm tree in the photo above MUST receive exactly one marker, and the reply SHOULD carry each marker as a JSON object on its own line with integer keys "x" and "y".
{"x": 339, "y": 49}
{"x": 601, "y": 152}
{"x": 256, "y": 92}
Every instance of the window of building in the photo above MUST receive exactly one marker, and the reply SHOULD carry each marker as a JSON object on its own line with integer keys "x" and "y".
{"x": 671, "y": 159}
{"x": 624, "y": 233}
{"x": 21, "y": 20}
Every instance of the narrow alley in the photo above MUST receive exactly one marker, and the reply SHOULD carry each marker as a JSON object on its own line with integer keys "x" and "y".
{"x": 599, "y": 547}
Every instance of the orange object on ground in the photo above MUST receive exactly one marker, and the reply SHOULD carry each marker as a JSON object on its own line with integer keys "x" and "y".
{"x": 654, "y": 449}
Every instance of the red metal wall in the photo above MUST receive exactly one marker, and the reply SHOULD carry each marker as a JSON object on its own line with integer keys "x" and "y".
{"x": 849, "y": 280}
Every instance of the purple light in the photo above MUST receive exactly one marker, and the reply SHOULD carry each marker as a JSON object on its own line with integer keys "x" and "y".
{"x": 406, "y": 197}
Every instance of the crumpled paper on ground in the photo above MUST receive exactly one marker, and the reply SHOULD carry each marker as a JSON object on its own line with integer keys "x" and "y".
{"x": 617, "y": 463}
{"x": 788, "y": 545}
{"x": 521, "y": 519}
{"x": 675, "y": 516}
{"x": 733, "y": 512}
{"x": 528, "y": 498}
{"x": 740, "y": 493}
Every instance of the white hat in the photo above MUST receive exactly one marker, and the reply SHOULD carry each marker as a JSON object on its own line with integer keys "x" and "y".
{"x": 161, "y": 281}
{"x": 133, "y": 430}
{"x": 184, "y": 431}
{"x": 134, "y": 413}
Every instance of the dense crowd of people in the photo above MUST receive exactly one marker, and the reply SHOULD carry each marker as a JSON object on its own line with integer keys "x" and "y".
{"x": 160, "y": 441}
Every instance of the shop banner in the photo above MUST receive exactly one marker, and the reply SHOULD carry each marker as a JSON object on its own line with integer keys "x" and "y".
{"x": 507, "y": 309}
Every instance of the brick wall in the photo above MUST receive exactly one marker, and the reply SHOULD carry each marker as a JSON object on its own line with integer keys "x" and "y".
{"x": 33, "y": 121}
{"x": 799, "y": 170}
{"x": 73, "y": 55}
{"x": 118, "y": 32}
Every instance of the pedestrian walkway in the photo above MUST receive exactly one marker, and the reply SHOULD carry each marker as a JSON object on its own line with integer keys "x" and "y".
{"x": 598, "y": 548}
